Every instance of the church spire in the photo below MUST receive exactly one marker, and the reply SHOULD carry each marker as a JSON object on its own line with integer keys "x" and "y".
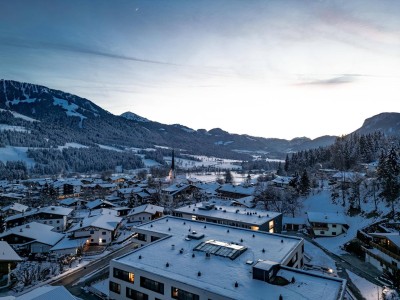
{"x": 172, "y": 170}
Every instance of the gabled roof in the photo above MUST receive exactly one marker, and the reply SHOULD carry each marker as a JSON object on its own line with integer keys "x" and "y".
{"x": 41, "y": 233}
{"x": 106, "y": 221}
{"x": 69, "y": 201}
{"x": 15, "y": 206}
{"x": 7, "y": 253}
{"x": 348, "y": 176}
{"x": 67, "y": 243}
{"x": 282, "y": 180}
{"x": 97, "y": 202}
{"x": 55, "y": 210}
{"x": 326, "y": 218}
{"x": 394, "y": 237}
{"x": 148, "y": 208}
{"x": 237, "y": 189}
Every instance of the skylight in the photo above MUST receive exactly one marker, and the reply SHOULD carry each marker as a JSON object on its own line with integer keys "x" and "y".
{"x": 221, "y": 248}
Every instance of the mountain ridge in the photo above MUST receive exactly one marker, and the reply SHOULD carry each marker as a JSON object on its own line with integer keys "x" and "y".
{"x": 65, "y": 117}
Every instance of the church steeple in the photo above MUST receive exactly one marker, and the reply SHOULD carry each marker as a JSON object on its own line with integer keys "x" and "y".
{"x": 172, "y": 170}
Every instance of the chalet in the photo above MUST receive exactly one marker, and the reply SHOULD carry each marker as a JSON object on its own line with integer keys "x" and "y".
{"x": 72, "y": 202}
{"x": 56, "y": 216}
{"x": 384, "y": 251}
{"x": 327, "y": 224}
{"x": 8, "y": 260}
{"x": 282, "y": 181}
{"x": 347, "y": 177}
{"x": 68, "y": 246}
{"x": 32, "y": 237}
{"x": 294, "y": 223}
{"x": 145, "y": 213}
{"x": 176, "y": 192}
{"x": 122, "y": 211}
{"x": 68, "y": 188}
{"x": 99, "y": 203}
{"x": 230, "y": 191}
{"x": 13, "y": 209}
{"x": 98, "y": 230}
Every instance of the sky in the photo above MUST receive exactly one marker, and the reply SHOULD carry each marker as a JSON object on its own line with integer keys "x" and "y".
{"x": 268, "y": 68}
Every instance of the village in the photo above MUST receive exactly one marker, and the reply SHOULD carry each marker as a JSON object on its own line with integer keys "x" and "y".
{"x": 55, "y": 228}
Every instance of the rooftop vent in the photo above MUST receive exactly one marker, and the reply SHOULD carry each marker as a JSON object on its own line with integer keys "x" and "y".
{"x": 53, "y": 208}
{"x": 236, "y": 284}
{"x": 27, "y": 226}
{"x": 205, "y": 226}
{"x": 263, "y": 250}
{"x": 167, "y": 265}
{"x": 20, "y": 230}
{"x": 193, "y": 255}
{"x": 281, "y": 241}
{"x": 249, "y": 262}
{"x": 140, "y": 257}
{"x": 172, "y": 246}
{"x": 199, "y": 273}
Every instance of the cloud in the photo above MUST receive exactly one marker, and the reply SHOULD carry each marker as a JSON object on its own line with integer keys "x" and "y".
{"x": 332, "y": 81}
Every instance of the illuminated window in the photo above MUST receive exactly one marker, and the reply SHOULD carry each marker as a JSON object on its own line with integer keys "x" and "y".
{"x": 271, "y": 224}
{"x": 255, "y": 227}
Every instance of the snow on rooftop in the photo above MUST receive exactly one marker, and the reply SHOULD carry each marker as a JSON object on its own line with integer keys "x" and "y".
{"x": 103, "y": 221}
{"x": 67, "y": 243}
{"x": 48, "y": 293}
{"x": 239, "y": 189}
{"x": 7, "y": 253}
{"x": 55, "y": 210}
{"x": 394, "y": 237}
{"x": 232, "y": 213}
{"x": 217, "y": 271}
{"x": 327, "y": 218}
{"x": 15, "y": 206}
{"x": 148, "y": 208}
{"x": 41, "y": 233}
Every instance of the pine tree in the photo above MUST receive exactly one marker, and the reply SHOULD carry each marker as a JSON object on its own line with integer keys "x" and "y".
{"x": 304, "y": 184}
{"x": 388, "y": 175}
{"x": 286, "y": 167}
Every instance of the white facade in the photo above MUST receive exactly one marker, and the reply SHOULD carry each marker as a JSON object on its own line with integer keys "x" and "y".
{"x": 329, "y": 230}
{"x": 95, "y": 235}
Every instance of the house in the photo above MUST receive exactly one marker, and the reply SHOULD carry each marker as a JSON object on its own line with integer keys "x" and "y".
{"x": 145, "y": 213}
{"x": 14, "y": 208}
{"x": 384, "y": 251}
{"x": 8, "y": 260}
{"x": 327, "y": 224}
{"x": 230, "y": 191}
{"x": 186, "y": 259}
{"x": 33, "y": 237}
{"x": 99, "y": 203}
{"x": 68, "y": 246}
{"x": 293, "y": 223}
{"x": 72, "y": 202}
{"x": 282, "y": 181}
{"x": 56, "y": 216}
{"x": 233, "y": 216}
{"x": 98, "y": 230}
{"x": 347, "y": 178}
{"x": 176, "y": 192}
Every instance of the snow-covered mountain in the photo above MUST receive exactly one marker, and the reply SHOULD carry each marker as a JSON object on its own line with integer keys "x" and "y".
{"x": 65, "y": 118}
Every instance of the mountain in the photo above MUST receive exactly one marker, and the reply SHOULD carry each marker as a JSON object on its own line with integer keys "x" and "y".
{"x": 65, "y": 118}
{"x": 387, "y": 123}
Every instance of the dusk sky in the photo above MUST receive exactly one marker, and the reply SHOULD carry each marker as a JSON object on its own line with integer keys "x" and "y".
{"x": 265, "y": 68}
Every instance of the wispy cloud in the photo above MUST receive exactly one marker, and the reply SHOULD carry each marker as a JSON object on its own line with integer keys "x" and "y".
{"x": 332, "y": 81}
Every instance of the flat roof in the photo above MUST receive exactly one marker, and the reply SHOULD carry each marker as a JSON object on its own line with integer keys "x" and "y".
{"x": 231, "y": 213}
{"x": 219, "y": 273}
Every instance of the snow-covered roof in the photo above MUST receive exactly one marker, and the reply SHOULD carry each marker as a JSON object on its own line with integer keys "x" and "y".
{"x": 237, "y": 189}
{"x": 175, "y": 188}
{"x": 215, "y": 270}
{"x": 208, "y": 186}
{"x": 97, "y": 202}
{"x": 104, "y": 221}
{"x": 7, "y": 253}
{"x": 282, "y": 180}
{"x": 394, "y": 237}
{"x": 246, "y": 201}
{"x": 232, "y": 213}
{"x": 326, "y": 218}
{"x": 54, "y": 210}
{"x": 58, "y": 292}
{"x": 147, "y": 208}
{"x": 67, "y": 243}
{"x": 15, "y": 206}
{"x": 41, "y": 233}
{"x": 69, "y": 201}
{"x": 294, "y": 220}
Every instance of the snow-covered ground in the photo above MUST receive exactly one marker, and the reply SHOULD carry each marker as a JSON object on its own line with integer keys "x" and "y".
{"x": 368, "y": 290}
{"x": 318, "y": 257}
{"x": 10, "y": 153}
{"x": 110, "y": 148}
{"x": 4, "y": 127}
{"x": 102, "y": 286}
{"x": 321, "y": 202}
{"x": 72, "y": 145}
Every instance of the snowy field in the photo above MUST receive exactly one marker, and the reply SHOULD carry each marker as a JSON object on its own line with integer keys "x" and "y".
{"x": 4, "y": 127}
{"x": 72, "y": 145}
{"x": 10, "y": 153}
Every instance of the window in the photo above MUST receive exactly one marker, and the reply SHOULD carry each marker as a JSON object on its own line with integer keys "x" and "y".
{"x": 132, "y": 294}
{"x": 183, "y": 295}
{"x": 92, "y": 240}
{"x": 152, "y": 285}
{"x": 334, "y": 225}
{"x": 50, "y": 222}
{"x": 154, "y": 238}
{"x": 124, "y": 275}
{"x": 103, "y": 240}
{"x": 58, "y": 221}
{"x": 91, "y": 231}
{"x": 141, "y": 237}
{"x": 104, "y": 233}
{"x": 333, "y": 232}
{"x": 115, "y": 287}
{"x": 58, "y": 228}
{"x": 44, "y": 222}
{"x": 322, "y": 232}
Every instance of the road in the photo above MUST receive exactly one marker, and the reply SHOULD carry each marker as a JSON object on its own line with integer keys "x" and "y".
{"x": 98, "y": 267}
